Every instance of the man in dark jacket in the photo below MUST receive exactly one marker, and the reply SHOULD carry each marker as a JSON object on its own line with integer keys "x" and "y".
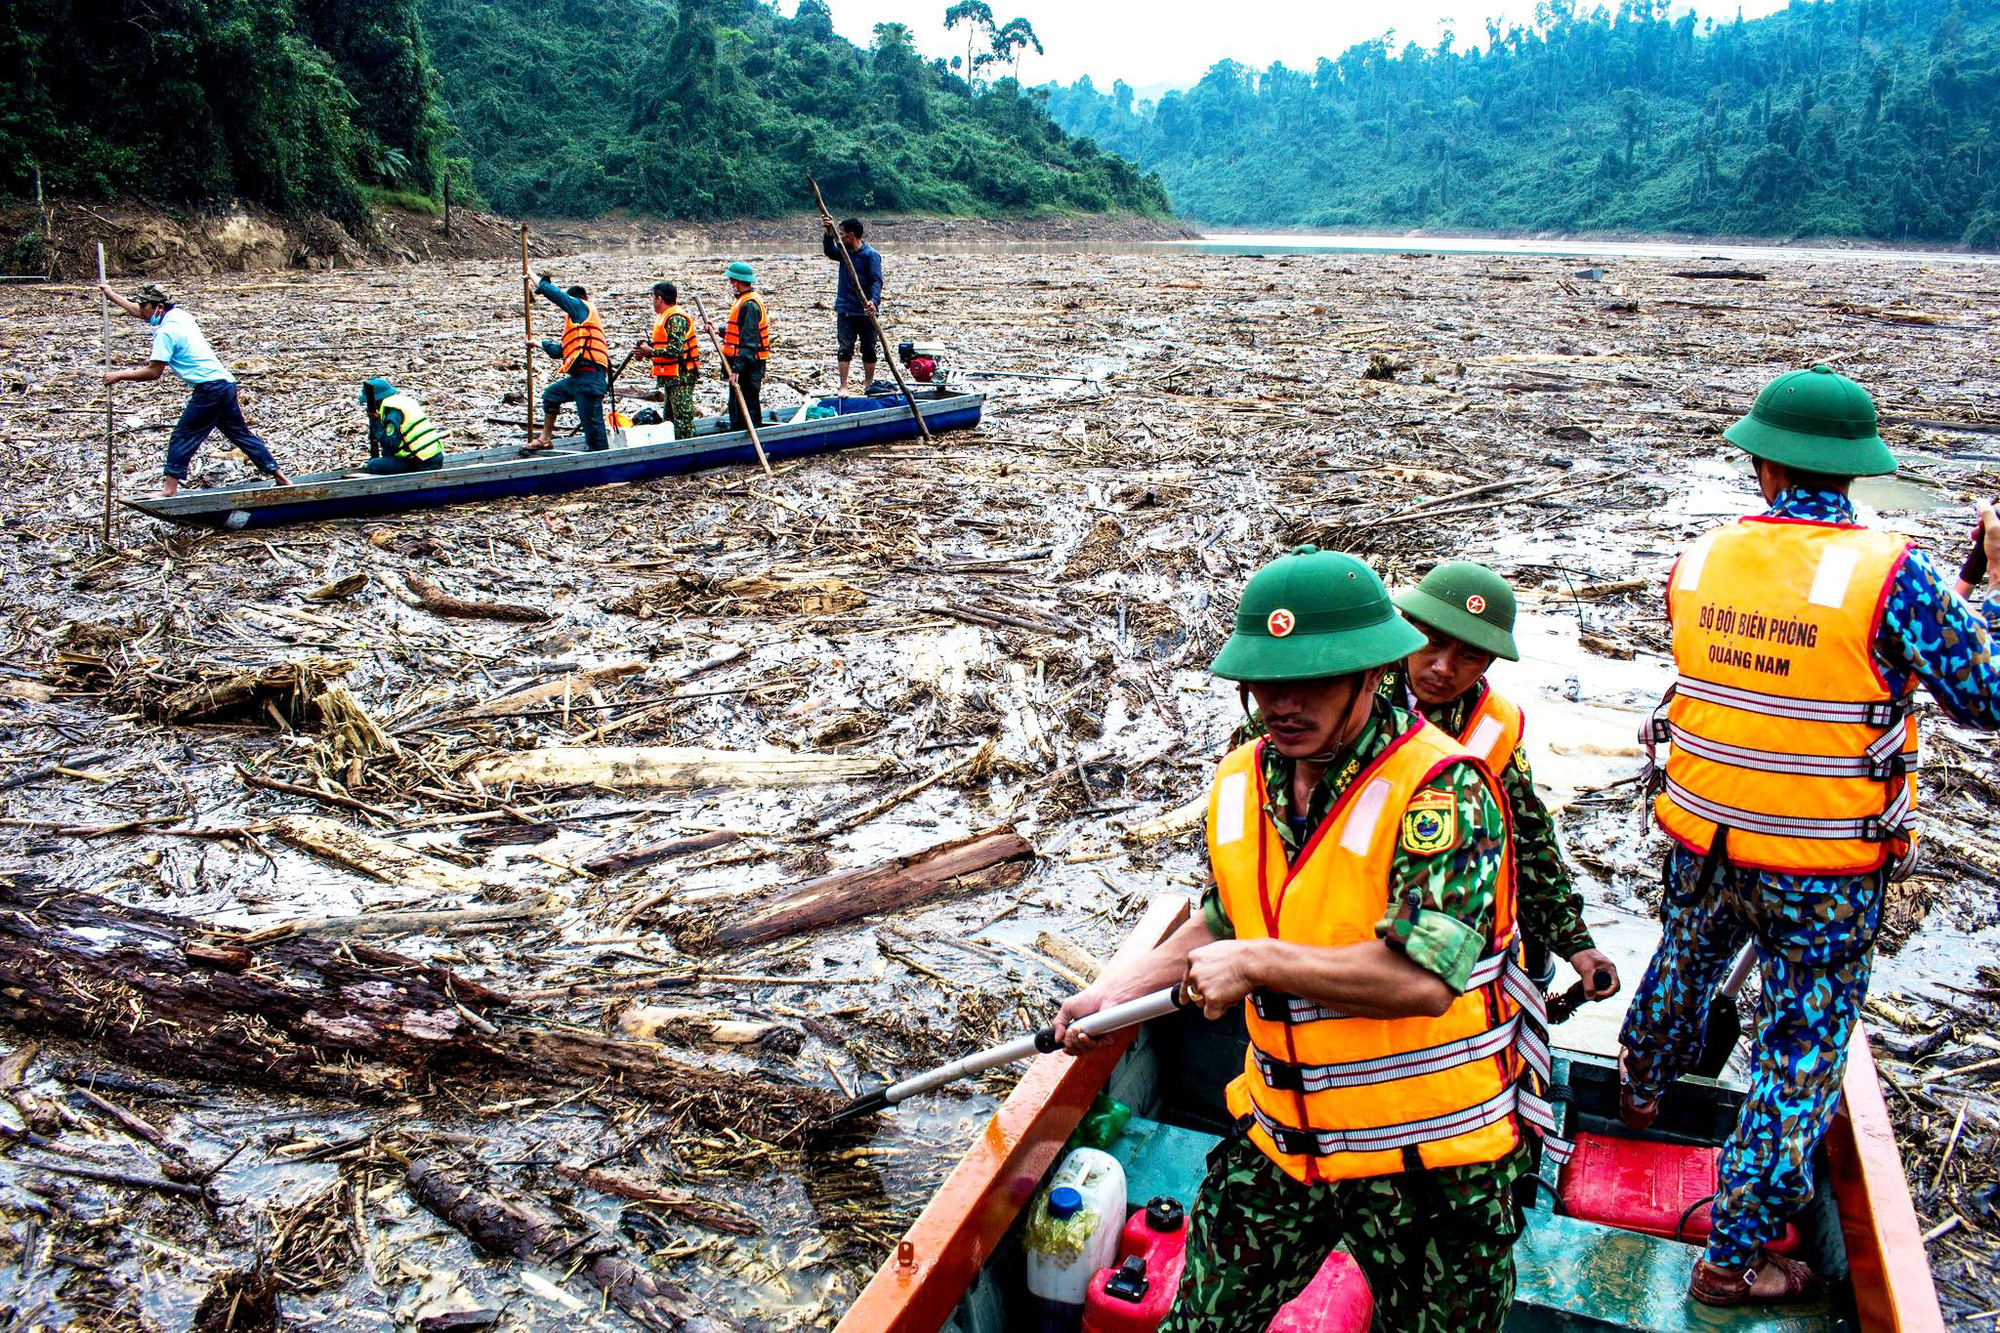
{"x": 854, "y": 307}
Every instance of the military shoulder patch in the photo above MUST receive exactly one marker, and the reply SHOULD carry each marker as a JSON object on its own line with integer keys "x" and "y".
{"x": 1430, "y": 825}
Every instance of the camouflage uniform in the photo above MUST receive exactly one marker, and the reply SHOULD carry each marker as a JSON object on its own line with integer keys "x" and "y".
{"x": 678, "y": 390}
{"x": 1436, "y": 1246}
{"x": 1551, "y": 908}
{"x": 1814, "y": 934}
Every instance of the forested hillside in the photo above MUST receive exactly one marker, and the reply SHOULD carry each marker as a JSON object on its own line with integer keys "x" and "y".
{"x": 1870, "y": 118}
{"x": 703, "y": 108}
{"x": 294, "y": 104}
{"x": 715, "y": 107}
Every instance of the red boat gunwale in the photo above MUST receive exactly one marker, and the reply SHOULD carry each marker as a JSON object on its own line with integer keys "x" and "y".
{"x": 951, "y": 1240}
{"x": 940, "y": 1256}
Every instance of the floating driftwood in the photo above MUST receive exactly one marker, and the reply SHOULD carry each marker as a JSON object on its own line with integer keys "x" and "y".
{"x": 980, "y": 862}
{"x": 390, "y": 862}
{"x": 338, "y": 1018}
{"x": 288, "y": 683}
{"x": 1177, "y": 820}
{"x": 439, "y": 602}
{"x": 525, "y": 1230}
{"x": 669, "y": 766}
{"x": 575, "y": 685}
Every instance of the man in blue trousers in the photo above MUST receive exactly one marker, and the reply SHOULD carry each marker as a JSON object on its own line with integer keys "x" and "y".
{"x": 1800, "y": 637}
{"x": 178, "y": 345}
{"x": 585, "y": 353}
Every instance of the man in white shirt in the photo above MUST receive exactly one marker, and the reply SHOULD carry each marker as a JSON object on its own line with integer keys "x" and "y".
{"x": 178, "y": 345}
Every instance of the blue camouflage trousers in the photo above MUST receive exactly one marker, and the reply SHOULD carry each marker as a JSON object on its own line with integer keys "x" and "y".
{"x": 1815, "y": 939}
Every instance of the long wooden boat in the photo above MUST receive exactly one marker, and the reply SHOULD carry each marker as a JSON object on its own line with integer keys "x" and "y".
{"x": 959, "y": 1265}
{"x": 638, "y": 454}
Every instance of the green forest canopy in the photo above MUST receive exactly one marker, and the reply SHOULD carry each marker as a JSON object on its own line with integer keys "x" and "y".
{"x": 1867, "y": 118}
{"x": 704, "y": 108}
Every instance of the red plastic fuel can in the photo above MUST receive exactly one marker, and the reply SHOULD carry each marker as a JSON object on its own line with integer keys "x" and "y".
{"x": 1337, "y": 1300}
{"x": 1134, "y": 1295}
{"x": 1641, "y": 1185}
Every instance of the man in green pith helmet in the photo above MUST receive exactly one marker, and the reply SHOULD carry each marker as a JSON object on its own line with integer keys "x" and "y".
{"x": 746, "y": 345}
{"x": 401, "y": 436}
{"x": 1363, "y": 915}
{"x": 1790, "y": 795}
{"x": 1466, "y": 614}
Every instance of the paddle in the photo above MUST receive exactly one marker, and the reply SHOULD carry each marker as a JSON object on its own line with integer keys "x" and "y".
{"x": 1560, "y": 1007}
{"x": 888, "y": 353}
{"x": 1973, "y": 571}
{"x": 1725, "y": 1025}
{"x": 614, "y": 379}
{"x": 729, "y": 372}
{"x": 1115, "y": 1019}
{"x": 528, "y": 321}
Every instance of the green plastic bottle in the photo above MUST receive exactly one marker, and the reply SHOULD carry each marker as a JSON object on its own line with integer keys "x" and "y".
{"x": 1102, "y": 1124}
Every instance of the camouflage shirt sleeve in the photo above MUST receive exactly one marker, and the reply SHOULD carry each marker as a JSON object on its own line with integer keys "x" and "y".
{"x": 1551, "y": 908}
{"x": 1216, "y": 915}
{"x": 1445, "y": 875}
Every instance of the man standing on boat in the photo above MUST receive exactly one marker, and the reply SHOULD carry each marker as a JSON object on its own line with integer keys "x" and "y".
{"x": 401, "y": 436}
{"x": 1466, "y": 612}
{"x": 746, "y": 344}
{"x": 1364, "y": 915}
{"x": 676, "y": 353}
{"x": 179, "y": 346}
{"x": 1790, "y": 794}
{"x": 585, "y": 354}
{"x": 853, "y": 308}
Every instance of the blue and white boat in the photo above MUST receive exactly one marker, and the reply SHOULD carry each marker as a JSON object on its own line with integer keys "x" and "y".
{"x": 638, "y": 453}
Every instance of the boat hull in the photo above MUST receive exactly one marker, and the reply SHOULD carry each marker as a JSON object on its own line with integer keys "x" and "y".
{"x": 498, "y": 474}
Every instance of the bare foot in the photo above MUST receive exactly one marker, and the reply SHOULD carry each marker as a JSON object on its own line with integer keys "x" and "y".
{"x": 536, "y": 446}
{"x": 280, "y": 479}
{"x": 168, "y": 487}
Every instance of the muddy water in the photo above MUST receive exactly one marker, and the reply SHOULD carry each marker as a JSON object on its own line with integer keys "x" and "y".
{"x": 1225, "y": 418}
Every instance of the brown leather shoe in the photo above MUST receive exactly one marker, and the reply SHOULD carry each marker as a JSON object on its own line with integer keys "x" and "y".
{"x": 1712, "y": 1285}
{"x": 1635, "y": 1113}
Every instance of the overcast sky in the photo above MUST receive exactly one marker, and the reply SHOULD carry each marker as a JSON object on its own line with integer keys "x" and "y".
{"x": 1149, "y": 42}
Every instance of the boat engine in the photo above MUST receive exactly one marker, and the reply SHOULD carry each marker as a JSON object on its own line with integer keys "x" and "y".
{"x": 926, "y": 362}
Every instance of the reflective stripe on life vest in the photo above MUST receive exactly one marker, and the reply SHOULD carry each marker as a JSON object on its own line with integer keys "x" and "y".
{"x": 665, "y": 364}
{"x": 583, "y": 343}
{"x": 416, "y": 438}
{"x": 730, "y": 335}
{"x": 1355, "y": 1097}
{"x": 1493, "y": 729}
{"x": 1782, "y": 726}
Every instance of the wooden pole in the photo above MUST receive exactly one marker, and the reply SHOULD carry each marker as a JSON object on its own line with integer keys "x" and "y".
{"x": 729, "y": 371}
{"x": 447, "y": 206}
{"x": 104, "y": 317}
{"x": 528, "y": 321}
{"x": 888, "y": 352}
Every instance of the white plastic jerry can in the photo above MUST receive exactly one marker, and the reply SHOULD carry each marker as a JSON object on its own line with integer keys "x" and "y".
{"x": 1072, "y": 1231}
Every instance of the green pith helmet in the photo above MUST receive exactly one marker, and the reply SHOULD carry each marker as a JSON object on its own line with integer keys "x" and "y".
{"x": 1467, "y": 601}
{"x": 151, "y": 294}
{"x": 741, "y": 272}
{"x": 1312, "y": 614}
{"x": 1817, "y": 421}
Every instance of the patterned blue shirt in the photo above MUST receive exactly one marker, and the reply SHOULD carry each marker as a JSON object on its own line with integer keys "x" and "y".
{"x": 1929, "y": 633}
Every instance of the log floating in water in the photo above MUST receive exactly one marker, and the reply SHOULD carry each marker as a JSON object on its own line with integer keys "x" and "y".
{"x": 390, "y": 862}
{"x": 978, "y": 862}
{"x": 669, "y": 766}
{"x": 612, "y": 863}
{"x": 439, "y": 602}
{"x": 339, "y": 1018}
{"x": 525, "y": 1230}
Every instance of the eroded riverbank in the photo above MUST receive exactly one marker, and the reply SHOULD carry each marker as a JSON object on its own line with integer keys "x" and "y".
{"x": 1050, "y": 587}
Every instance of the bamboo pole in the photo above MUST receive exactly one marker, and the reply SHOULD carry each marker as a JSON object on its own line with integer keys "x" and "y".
{"x": 729, "y": 371}
{"x": 104, "y": 317}
{"x": 881, "y": 335}
{"x": 528, "y": 322}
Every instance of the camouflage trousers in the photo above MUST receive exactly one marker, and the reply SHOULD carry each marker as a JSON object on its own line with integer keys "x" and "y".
{"x": 1815, "y": 940}
{"x": 1436, "y": 1246}
{"x": 679, "y": 393}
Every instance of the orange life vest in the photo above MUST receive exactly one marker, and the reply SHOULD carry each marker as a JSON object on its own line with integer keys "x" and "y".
{"x": 731, "y": 341}
{"x": 1493, "y": 730}
{"x": 1783, "y": 728}
{"x": 584, "y": 343}
{"x": 665, "y": 366}
{"x": 1332, "y": 1096}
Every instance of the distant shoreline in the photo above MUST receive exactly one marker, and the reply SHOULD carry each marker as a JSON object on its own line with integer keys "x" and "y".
{"x": 1859, "y": 245}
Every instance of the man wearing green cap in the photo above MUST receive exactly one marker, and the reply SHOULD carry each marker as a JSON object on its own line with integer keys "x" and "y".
{"x": 1466, "y": 613}
{"x": 746, "y": 345}
{"x": 180, "y": 346}
{"x": 1363, "y": 914}
{"x": 401, "y": 437}
{"x": 1789, "y": 793}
